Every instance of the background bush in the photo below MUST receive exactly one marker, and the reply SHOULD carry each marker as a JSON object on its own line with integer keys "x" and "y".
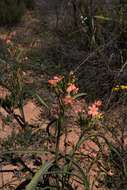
{"x": 11, "y": 11}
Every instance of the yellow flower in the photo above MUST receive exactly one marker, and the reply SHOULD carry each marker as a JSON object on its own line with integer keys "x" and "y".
{"x": 120, "y": 87}
{"x": 100, "y": 116}
{"x": 123, "y": 87}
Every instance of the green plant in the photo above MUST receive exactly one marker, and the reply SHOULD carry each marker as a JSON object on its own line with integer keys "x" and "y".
{"x": 17, "y": 91}
{"x": 65, "y": 171}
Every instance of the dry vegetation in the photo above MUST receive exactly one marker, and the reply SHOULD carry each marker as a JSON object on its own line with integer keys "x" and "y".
{"x": 63, "y": 93}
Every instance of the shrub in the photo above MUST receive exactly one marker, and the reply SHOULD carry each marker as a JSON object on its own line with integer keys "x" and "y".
{"x": 11, "y": 11}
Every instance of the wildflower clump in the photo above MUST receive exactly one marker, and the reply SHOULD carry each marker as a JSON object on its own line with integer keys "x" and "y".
{"x": 65, "y": 88}
{"x": 67, "y": 93}
{"x": 16, "y": 51}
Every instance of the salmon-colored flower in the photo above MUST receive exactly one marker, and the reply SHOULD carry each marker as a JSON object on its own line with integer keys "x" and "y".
{"x": 93, "y": 110}
{"x": 72, "y": 88}
{"x": 68, "y": 100}
{"x": 7, "y": 40}
{"x": 55, "y": 80}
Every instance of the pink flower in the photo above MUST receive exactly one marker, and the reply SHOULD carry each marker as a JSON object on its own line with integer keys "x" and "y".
{"x": 55, "y": 80}
{"x": 72, "y": 88}
{"x": 93, "y": 110}
{"x": 7, "y": 40}
{"x": 68, "y": 100}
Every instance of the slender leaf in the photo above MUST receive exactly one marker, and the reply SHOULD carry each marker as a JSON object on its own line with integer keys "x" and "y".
{"x": 84, "y": 176}
{"x": 44, "y": 168}
{"x": 80, "y": 95}
{"x": 41, "y": 101}
{"x": 103, "y": 18}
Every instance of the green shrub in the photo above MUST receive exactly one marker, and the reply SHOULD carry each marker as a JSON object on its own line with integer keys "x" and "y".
{"x": 11, "y": 11}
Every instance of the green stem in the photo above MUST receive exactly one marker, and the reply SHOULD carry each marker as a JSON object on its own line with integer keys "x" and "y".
{"x": 58, "y": 137}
